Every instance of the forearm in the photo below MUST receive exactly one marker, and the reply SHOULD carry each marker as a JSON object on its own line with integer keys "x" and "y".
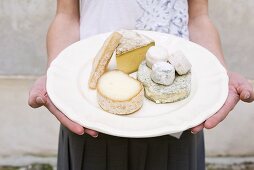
{"x": 203, "y": 32}
{"x": 63, "y": 32}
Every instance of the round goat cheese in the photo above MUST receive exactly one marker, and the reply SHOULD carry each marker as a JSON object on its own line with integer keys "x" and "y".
{"x": 156, "y": 54}
{"x": 118, "y": 93}
{"x": 163, "y": 73}
{"x": 180, "y": 62}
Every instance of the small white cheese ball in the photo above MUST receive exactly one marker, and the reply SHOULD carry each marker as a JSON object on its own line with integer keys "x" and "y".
{"x": 163, "y": 73}
{"x": 180, "y": 62}
{"x": 156, "y": 54}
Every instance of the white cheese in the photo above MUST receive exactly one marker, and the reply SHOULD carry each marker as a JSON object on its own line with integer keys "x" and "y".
{"x": 118, "y": 93}
{"x": 163, "y": 73}
{"x": 180, "y": 62}
{"x": 156, "y": 54}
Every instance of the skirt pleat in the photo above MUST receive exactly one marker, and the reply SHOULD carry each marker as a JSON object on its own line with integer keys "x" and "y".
{"x": 95, "y": 154}
{"x": 157, "y": 154}
{"x": 137, "y": 154}
{"x": 116, "y": 153}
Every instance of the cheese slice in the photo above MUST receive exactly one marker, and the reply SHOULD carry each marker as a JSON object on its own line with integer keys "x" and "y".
{"x": 132, "y": 50}
{"x": 103, "y": 57}
{"x": 118, "y": 93}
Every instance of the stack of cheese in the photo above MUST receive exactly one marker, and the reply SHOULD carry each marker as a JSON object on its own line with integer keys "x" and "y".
{"x": 117, "y": 92}
{"x": 157, "y": 73}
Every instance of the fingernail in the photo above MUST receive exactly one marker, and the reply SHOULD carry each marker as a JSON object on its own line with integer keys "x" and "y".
{"x": 39, "y": 100}
{"x": 194, "y": 133}
{"x": 95, "y": 136}
{"x": 247, "y": 95}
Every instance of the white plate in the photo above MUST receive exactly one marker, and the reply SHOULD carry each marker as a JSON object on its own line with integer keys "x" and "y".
{"x": 67, "y": 86}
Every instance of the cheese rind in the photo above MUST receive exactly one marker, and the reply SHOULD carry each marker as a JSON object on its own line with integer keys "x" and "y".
{"x": 118, "y": 93}
{"x": 103, "y": 57}
{"x": 163, "y": 73}
{"x": 132, "y": 50}
{"x": 132, "y": 40}
{"x": 179, "y": 90}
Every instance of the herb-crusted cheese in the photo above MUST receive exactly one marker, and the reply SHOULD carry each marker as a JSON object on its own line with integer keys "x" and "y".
{"x": 180, "y": 89}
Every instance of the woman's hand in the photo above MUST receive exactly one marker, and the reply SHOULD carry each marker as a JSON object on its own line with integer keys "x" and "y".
{"x": 38, "y": 97}
{"x": 239, "y": 89}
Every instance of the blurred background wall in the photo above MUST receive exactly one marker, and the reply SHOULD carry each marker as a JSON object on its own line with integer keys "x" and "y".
{"x": 24, "y": 131}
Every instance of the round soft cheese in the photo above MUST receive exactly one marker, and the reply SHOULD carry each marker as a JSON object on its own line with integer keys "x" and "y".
{"x": 163, "y": 73}
{"x": 180, "y": 62}
{"x": 156, "y": 54}
{"x": 118, "y": 93}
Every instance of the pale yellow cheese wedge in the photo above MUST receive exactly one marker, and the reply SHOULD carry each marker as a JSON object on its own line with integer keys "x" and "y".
{"x": 132, "y": 50}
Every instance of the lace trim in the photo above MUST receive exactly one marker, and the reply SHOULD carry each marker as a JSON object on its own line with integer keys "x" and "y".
{"x": 167, "y": 16}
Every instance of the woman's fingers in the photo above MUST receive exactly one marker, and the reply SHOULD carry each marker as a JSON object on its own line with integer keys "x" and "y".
{"x": 72, "y": 126}
{"x": 38, "y": 97}
{"x": 37, "y": 94}
{"x": 91, "y": 132}
{"x": 245, "y": 90}
{"x": 197, "y": 129}
{"x": 220, "y": 115}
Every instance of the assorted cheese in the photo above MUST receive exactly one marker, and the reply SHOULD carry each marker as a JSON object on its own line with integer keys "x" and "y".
{"x": 163, "y": 73}
{"x": 132, "y": 50}
{"x": 158, "y": 76}
{"x": 118, "y": 93}
{"x": 156, "y": 54}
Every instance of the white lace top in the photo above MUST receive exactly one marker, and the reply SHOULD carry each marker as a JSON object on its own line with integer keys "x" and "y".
{"x": 168, "y": 16}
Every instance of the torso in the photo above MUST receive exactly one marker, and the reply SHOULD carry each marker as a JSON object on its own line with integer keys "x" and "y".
{"x": 168, "y": 16}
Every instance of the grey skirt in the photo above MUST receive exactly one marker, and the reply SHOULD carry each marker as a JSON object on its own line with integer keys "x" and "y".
{"x": 115, "y": 153}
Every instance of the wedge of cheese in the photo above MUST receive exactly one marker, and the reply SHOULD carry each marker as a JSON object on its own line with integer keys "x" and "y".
{"x": 103, "y": 57}
{"x": 132, "y": 50}
{"x": 118, "y": 93}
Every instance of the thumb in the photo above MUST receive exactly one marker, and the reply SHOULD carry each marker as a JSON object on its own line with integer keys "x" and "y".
{"x": 245, "y": 90}
{"x": 36, "y": 99}
{"x": 40, "y": 100}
